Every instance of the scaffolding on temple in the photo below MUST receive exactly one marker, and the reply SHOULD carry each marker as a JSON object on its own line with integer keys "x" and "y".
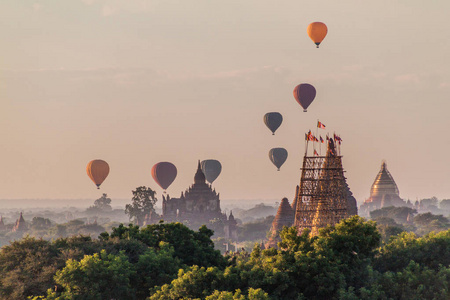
{"x": 323, "y": 196}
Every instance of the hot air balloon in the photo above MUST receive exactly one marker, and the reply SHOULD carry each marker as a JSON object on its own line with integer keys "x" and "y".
{"x": 273, "y": 120}
{"x": 278, "y": 156}
{"x": 304, "y": 93}
{"x": 164, "y": 174}
{"x": 211, "y": 168}
{"x": 97, "y": 170}
{"x": 317, "y": 32}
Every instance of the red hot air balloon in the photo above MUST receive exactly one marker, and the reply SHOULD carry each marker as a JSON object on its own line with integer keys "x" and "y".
{"x": 304, "y": 93}
{"x": 164, "y": 174}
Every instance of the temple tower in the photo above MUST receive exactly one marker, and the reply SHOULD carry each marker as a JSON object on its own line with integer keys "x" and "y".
{"x": 284, "y": 217}
{"x": 383, "y": 193}
{"x": 20, "y": 224}
{"x": 2, "y": 224}
{"x": 323, "y": 194}
{"x": 230, "y": 228}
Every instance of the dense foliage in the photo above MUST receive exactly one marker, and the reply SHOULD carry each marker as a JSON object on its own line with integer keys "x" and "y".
{"x": 142, "y": 204}
{"x": 170, "y": 261}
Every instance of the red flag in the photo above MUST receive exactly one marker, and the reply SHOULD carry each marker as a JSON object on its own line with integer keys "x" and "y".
{"x": 321, "y": 140}
{"x": 320, "y": 125}
{"x": 315, "y": 152}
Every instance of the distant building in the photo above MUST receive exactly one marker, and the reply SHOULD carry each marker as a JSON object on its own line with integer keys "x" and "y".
{"x": 230, "y": 228}
{"x": 384, "y": 193}
{"x": 2, "y": 224}
{"x": 20, "y": 224}
{"x": 198, "y": 204}
{"x": 284, "y": 217}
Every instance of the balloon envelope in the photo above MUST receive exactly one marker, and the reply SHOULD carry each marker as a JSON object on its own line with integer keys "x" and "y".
{"x": 97, "y": 170}
{"x": 211, "y": 168}
{"x": 317, "y": 32}
{"x": 273, "y": 120}
{"x": 304, "y": 93}
{"x": 164, "y": 173}
{"x": 278, "y": 156}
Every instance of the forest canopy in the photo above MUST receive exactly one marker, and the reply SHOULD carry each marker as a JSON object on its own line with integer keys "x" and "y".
{"x": 171, "y": 261}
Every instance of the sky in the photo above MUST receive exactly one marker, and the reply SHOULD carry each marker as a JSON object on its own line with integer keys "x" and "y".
{"x": 136, "y": 82}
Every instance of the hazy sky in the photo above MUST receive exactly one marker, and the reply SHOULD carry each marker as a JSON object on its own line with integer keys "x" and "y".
{"x": 138, "y": 82}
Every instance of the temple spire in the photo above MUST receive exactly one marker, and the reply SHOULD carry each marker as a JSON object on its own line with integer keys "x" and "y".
{"x": 199, "y": 177}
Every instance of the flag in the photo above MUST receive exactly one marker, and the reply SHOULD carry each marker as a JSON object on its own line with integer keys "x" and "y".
{"x": 308, "y": 136}
{"x": 312, "y": 138}
{"x": 315, "y": 152}
{"x": 320, "y": 125}
{"x": 321, "y": 140}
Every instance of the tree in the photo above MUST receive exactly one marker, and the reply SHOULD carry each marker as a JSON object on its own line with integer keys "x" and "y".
{"x": 429, "y": 251}
{"x": 103, "y": 203}
{"x": 445, "y": 204}
{"x": 427, "y": 218}
{"x": 399, "y": 214}
{"x": 98, "y": 276}
{"x": 29, "y": 265}
{"x": 143, "y": 203}
{"x": 433, "y": 201}
{"x": 191, "y": 247}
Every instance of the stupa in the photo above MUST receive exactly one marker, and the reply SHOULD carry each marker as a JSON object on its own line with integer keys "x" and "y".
{"x": 383, "y": 193}
{"x": 284, "y": 217}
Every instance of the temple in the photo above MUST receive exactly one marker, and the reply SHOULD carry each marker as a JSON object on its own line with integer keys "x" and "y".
{"x": 20, "y": 224}
{"x": 199, "y": 202}
{"x": 384, "y": 193}
{"x": 197, "y": 205}
{"x": 284, "y": 217}
{"x": 322, "y": 198}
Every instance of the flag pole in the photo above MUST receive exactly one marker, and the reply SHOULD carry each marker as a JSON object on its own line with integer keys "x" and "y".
{"x": 317, "y": 130}
{"x": 320, "y": 146}
{"x": 306, "y": 144}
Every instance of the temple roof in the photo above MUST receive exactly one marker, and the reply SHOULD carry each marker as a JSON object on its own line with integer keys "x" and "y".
{"x": 384, "y": 184}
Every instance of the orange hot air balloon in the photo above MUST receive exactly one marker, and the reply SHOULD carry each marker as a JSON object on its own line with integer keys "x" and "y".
{"x": 97, "y": 170}
{"x": 317, "y": 32}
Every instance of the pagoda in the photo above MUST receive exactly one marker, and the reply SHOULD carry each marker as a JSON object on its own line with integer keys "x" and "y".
{"x": 199, "y": 203}
{"x": 383, "y": 193}
{"x": 20, "y": 224}
{"x": 323, "y": 196}
{"x": 284, "y": 217}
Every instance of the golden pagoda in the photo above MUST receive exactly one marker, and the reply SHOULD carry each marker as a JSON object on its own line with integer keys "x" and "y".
{"x": 383, "y": 193}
